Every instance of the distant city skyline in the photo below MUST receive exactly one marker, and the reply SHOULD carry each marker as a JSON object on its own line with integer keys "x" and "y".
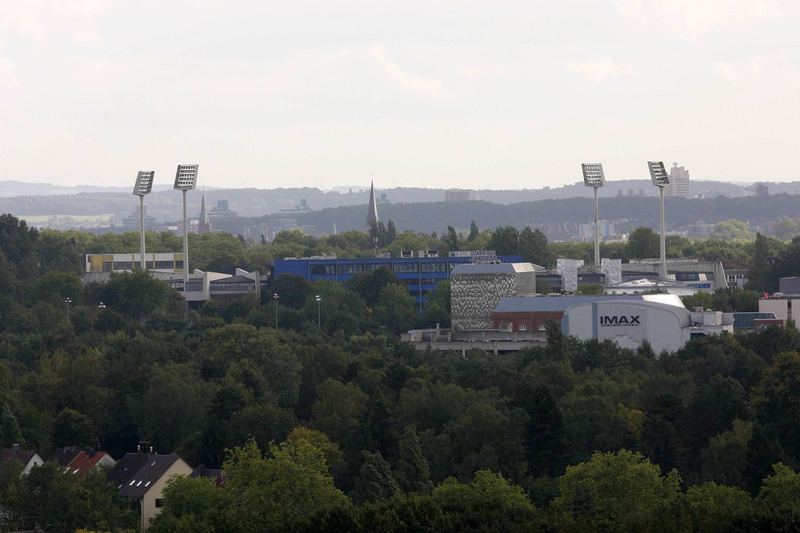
{"x": 440, "y": 93}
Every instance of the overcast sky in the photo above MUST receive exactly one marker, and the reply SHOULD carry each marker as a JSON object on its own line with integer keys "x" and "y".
{"x": 448, "y": 93}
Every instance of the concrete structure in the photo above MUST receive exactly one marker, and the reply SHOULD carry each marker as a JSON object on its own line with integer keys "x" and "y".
{"x": 28, "y": 458}
{"x": 784, "y": 304}
{"x": 698, "y": 274}
{"x": 476, "y": 289}
{"x": 665, "y": 326}
{"x": 678, "y": 182}
{"x": 142, "y": 476}
{"x": 646, "y": 286}
{"x": 221, "y": 210}
{"x": 421, "y": 271}
{"x": 533, "y": 314}
{"x": 161, "y": 261}
{"x": 458, "y": 195}
{"x": 737, "y": 277}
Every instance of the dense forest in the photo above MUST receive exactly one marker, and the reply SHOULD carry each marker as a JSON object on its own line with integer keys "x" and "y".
{"x": 329, "y": 423}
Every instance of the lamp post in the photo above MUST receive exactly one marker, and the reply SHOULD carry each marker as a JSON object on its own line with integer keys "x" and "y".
{"x": 185, "y": 180}
{"x": 594, "y": 177}
{"x": 101, "y": 306}
{"x": 660, "y": 178}
{"x": 318, "y": 298}
{"x": 143, "y": 186}
{"x": 276, "y": 297}
{"x": 67, "y": 302}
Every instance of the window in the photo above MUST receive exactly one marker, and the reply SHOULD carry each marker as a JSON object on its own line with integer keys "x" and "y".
{"x": 166, "y": 265}
{"x": 523, "y": 327}
{"x": 323, "y": 270}
{"x": 433, "y": 267}
{"x": 405, "y": 267}
{"x": 159, "y": 503}
{"x": 350, "y": 269}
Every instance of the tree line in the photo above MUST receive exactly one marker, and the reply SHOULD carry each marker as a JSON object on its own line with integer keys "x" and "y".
{"x": 336, "y": 425}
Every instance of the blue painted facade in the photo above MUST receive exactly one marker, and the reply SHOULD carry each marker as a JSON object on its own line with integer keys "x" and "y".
{"x": 421, "y": 275}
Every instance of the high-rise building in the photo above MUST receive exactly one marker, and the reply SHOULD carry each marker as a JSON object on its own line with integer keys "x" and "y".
{"x": 372, "y": 210}
{"x": 678, "y": 182}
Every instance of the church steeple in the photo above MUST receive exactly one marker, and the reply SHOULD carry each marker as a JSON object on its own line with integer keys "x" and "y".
{"x": 203, "y": 214}
{"x": 372, "y": 212}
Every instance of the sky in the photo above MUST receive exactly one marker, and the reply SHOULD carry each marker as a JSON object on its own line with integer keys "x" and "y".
{"x": 497, "y": 94}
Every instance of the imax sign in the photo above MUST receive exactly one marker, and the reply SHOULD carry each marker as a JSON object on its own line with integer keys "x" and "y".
{"x": 620, "y": 320}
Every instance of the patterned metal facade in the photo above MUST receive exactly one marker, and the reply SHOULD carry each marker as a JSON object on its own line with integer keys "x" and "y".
{"x": 474, "y": 296}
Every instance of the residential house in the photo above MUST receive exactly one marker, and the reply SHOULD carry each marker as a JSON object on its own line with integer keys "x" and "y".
{"x": 28, "y": 458}
{"x": 142, "y": 476}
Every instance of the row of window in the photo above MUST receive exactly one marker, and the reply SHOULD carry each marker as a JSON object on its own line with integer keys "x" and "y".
{"x": 400, "y": 268}
{"x": 108, "y": 266}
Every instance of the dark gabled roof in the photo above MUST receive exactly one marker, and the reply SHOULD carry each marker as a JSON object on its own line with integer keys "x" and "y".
{"x": 150, "y": 471}
{"x": 11, "y": 454}
{"x": 63, "y": 456}
{"x": 126, "y": 468}
{"x": 215, "y": 474}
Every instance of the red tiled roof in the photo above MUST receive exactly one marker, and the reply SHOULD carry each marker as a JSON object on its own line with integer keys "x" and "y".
{"x": 83, "y": 462}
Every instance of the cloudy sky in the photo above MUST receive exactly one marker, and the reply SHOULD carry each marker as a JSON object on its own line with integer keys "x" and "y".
{"x": 447, "y": 93}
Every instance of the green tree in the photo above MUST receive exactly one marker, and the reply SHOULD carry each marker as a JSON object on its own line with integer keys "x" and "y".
{"x": 732, "y": 230}
{"x": 643, "y": 243}
{"x": 281, "y": 492}
{"x": 412, "y": 471}
{"x": 293, "y": 290}
{"x": 777, "y": 402}
{"x": 369, "y": 285}
{"x": 338, "y": 410}
{"x": 533, "y": 246}
{"x": 391, "y": 232}
{"x": 716, "y": 508}
{"x": 192, "y": 504}
{"x": 73, "y": 428}
{"x": 618, "y": 491}
{"x": 505, "y": 240}
{"x": 474, "y": 231}
{"x": 488, "y": 503}
{"x": 395, "y": 309}
{"x": 375, "y": 482}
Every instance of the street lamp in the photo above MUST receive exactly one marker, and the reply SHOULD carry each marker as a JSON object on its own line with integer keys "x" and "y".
{"x": 101, "y": 306}
{"x": 660, "y": 179}
{"x": 143, "y": 186}
{"x": 318, "y": 298}
{"x": 594, "y": 177}
{"x": 185, "y": 180}
{"x": 276, "y": 297}
{"x": 67, "y": 301}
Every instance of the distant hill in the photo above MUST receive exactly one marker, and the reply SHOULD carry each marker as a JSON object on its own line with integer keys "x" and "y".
{"x": 165, "y": 204}
{"x": 551, "y": 215}
{"x": 9, "y": 188}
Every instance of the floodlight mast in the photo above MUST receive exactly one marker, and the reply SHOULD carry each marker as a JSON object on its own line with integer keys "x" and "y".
{"x": 143, "y": 186}
{"x": 594, "y": 177}
{"x": 185, "y": 180}
{"x": 660, "y": 178}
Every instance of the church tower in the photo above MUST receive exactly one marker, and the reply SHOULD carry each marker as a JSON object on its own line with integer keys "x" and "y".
{"x": 372, "y": 213}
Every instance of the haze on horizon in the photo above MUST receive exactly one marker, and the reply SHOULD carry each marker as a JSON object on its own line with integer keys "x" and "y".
{"x": 445, "y": 93}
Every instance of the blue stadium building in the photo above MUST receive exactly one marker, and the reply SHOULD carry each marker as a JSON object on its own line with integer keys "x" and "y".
{"x": 421, "y": 272}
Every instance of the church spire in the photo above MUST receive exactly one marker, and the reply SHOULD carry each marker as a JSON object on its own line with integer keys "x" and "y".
{"x": 372, "y": 212}
{"x": 203, "y": 214}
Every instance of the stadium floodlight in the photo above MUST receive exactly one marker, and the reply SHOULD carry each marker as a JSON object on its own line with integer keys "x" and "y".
{"x": 658, "y": 173}
{"x": 185, "y": 180}
{"x": 594, "y": 177}
{"x": 143, "y": 186}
